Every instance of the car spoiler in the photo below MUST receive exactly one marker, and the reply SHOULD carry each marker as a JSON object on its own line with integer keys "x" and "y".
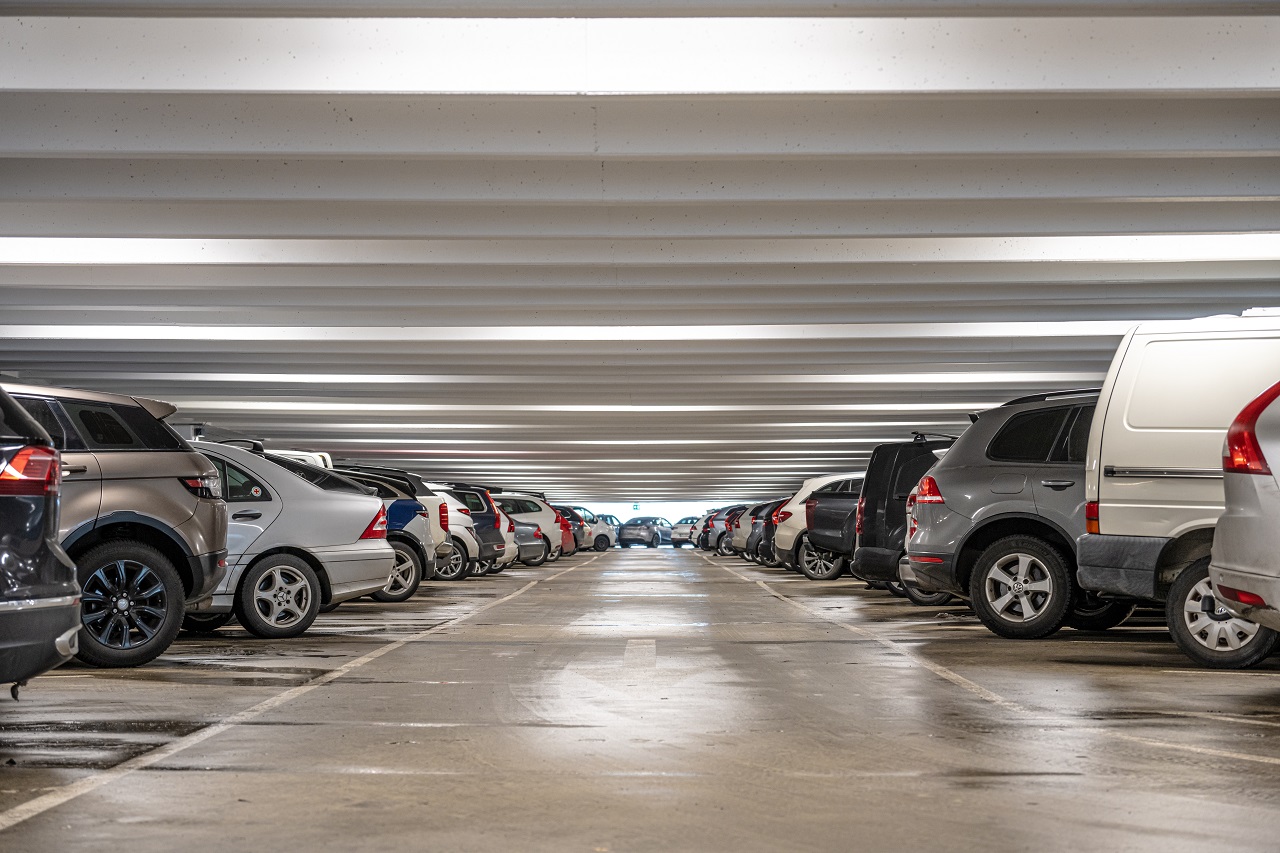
{"x": 158, "y": 409}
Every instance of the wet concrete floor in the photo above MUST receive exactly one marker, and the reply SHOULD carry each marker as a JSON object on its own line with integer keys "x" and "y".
{"x": 647, "y": 701}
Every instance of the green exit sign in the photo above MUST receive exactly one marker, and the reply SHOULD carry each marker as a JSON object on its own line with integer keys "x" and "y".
{"x": 635, "y": 506}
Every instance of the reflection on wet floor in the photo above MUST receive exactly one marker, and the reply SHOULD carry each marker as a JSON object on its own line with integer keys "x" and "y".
{"x": 655, "y": 700}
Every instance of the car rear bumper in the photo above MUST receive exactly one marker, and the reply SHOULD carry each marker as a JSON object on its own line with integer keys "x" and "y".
{"x": 875, "y": 564}
{"x": 207, "y": 572}
{"x": 934, "y": 573}
{"x": 357, "y": 569}
{"x": 36, "y": 635}
{"x": 1120, "y": 565}
{"x": 1265, "y": 586}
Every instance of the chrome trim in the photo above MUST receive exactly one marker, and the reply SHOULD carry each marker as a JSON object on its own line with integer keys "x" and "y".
{"x": 39, "y": 603}
{"x": 68, "y": 643}
{"x": 1164, "y": 473}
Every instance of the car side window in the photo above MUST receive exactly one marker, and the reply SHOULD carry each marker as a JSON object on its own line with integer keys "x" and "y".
{"x": 239, "y": 486}
{"x": 1075, "y": 441}
{"x": 44, "y": 413}
{"x": 473, "y": 501}
{"x": 1029, "y": 436}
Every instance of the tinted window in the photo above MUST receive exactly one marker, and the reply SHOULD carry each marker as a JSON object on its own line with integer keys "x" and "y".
{"x": 42, "y": 412}
{"x": 472, "y": 501}
{"x": 1028, "y": 437}
{"x": 107, "y": 426}
{"x": 1076, "y": 442}
{"x": 321, "y": 477}
{"x": 238, "y": 485}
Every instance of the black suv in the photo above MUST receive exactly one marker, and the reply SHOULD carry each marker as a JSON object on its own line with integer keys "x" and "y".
{"x": 39, "y": 595}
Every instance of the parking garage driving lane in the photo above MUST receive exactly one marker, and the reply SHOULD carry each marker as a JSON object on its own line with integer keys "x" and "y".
{"x": 649, "y": 700}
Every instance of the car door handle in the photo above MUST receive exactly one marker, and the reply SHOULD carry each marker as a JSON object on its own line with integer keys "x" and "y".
{"x": 74, "y": 469}
{"x": 246, "y": 515}
{"x": 1058, "y": 484}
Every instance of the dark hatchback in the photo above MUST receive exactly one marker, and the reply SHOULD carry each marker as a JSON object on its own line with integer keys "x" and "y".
{"x": 39, "y": 594}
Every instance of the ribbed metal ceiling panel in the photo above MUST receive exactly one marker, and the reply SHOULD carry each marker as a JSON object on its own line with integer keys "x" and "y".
{"x": 614, "y": 279}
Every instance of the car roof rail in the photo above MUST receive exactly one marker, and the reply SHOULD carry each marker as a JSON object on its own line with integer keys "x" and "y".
{"x": 1053, "y": 395}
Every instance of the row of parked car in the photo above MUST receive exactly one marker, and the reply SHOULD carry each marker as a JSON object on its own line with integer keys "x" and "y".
{"x": 1071, "y": 508}
{"x": 117, "y": 532}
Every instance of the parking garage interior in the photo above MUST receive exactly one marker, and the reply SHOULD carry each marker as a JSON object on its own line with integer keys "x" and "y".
{"x": 648, "y": 259}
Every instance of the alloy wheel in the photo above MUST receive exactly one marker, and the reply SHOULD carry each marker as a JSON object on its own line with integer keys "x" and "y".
{"x": 401, "y": 575}
{"x": 123, "y": 604}
{"x": 282, "y": 597}
{"x": 1018, "y": 587}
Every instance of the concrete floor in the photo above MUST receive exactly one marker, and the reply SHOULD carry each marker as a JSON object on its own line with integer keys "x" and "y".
{"x": 647, "y": 700}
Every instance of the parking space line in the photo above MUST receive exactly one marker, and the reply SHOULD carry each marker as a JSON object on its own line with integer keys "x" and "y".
{"x": 66, "y": 793}
{"x": 992, "y": 697}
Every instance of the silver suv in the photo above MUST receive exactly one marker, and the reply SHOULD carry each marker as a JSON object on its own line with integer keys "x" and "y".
{"x": 141, "y": 515}
{"x": 996, "y": 519}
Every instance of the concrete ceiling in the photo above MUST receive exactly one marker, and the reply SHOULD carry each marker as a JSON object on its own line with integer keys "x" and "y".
{"x": 669, "y": 258}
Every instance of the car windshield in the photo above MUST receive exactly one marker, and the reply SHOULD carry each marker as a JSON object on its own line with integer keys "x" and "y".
{"x": 639, "y": 521}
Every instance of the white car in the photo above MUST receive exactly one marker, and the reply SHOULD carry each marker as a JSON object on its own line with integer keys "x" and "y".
{"x": 533, "y": 510}
{"x": 299, "y": 537}
{"x": 408, "y": 532}
{"x": 1153, "y": 471}
{"x": 682, "y": 532}
{"x": 464, "y": 556}
{"x": 512, "y": 550}
{"x": 791, "y": 522}
{"x": 602, "y": 535}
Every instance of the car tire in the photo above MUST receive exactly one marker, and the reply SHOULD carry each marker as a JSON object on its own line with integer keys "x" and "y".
{"x": 205, "y": 623}
{"x": 724, "y": 546}
{"x": 655, "y": 541}
{"x": 496, "y": 569}
{"x": 816, "y": 564}
{"x": 278, "y": 597}
{"x": 406, "y": 575}
{"x": 1016, "y": 574}
{"x": 1208, "y": 640}
{"x": 455, "y": 565}
{"x": 156, "y": 604}
{"x": 602, "y": 542}
{"x": 769, "y": 558}
{"x": 534, "y": 562}
{"x": 1091, "y": 613}
{"x": 896, "y": 588}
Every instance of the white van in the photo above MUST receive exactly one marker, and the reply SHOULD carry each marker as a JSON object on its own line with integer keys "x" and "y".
{"x": 1153, "y": 474}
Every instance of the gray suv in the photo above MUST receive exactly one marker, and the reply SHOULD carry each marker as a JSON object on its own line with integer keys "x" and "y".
{"x": 996, "y": 519}
{"x": 141, "y": 515}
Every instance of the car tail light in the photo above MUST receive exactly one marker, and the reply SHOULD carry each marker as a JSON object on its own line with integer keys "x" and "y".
{"x": 377, "y": 528}
{"x": 1091, "y": 524}
{"x": 32, "y": 472}
{"x": 538, "y": 532}
{"x": 444, "y": 516}
{"x": 511, "y": 524}
{"x": 1242, "y": 454}
{"x": 862, "y": 508}
{"x": 464, "y": 510}
{"x": 1240, "y": 595}
{"x": 928, "y": 492}
{"x": 912, "y": 524}
{"x": 780, "y": 515}
{"x": 209, "y": 486}
{"x": 809, "y": 506}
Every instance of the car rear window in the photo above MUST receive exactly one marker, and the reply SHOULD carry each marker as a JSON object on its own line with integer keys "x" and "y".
{"x": 115, "y": 426}
{"x": 1029, "y": 436}
{"x": 472, "y": 501}
{"x": 238, "y": 486}
{"x": 16, "y": 424}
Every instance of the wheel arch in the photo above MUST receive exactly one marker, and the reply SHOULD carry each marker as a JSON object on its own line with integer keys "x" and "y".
{"x": 1010, "y": 524}
{"x": 135, "y": 527}
{"x": 1180, "y": 553}
{"x": 411, "y": 541}
{"x": 326, "y": 591}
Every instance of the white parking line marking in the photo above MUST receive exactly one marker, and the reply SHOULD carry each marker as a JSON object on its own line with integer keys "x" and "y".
{"x": 53, "y": 799}
{"x": 994, "y": 698}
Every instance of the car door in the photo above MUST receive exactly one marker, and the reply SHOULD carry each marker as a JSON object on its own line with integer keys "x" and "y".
{"x": 1059, "y": 484}
{"x": 250, "y": 503}
{"x": 80, "y": 497}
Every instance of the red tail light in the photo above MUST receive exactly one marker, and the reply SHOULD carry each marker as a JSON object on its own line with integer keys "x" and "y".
{"x": 1091, "y": 524}
{"x": 464, "y": 510}
{"x": 912, "y": 524}
{"x": 1242, "y": 454}
{"x": 511, "y": 524}
{"x": 444, "y": 516}
{"x": 377, "y": 528}
{"x": 1240, "y": 595}
{"x": 538, "y": 532}
{"x": 927, "y": 492}
{"x": 809, "y": 506}
{"x": 857, "y": 519}
{"x": 780, "y": 515}
{"x": 32, "y": 472}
